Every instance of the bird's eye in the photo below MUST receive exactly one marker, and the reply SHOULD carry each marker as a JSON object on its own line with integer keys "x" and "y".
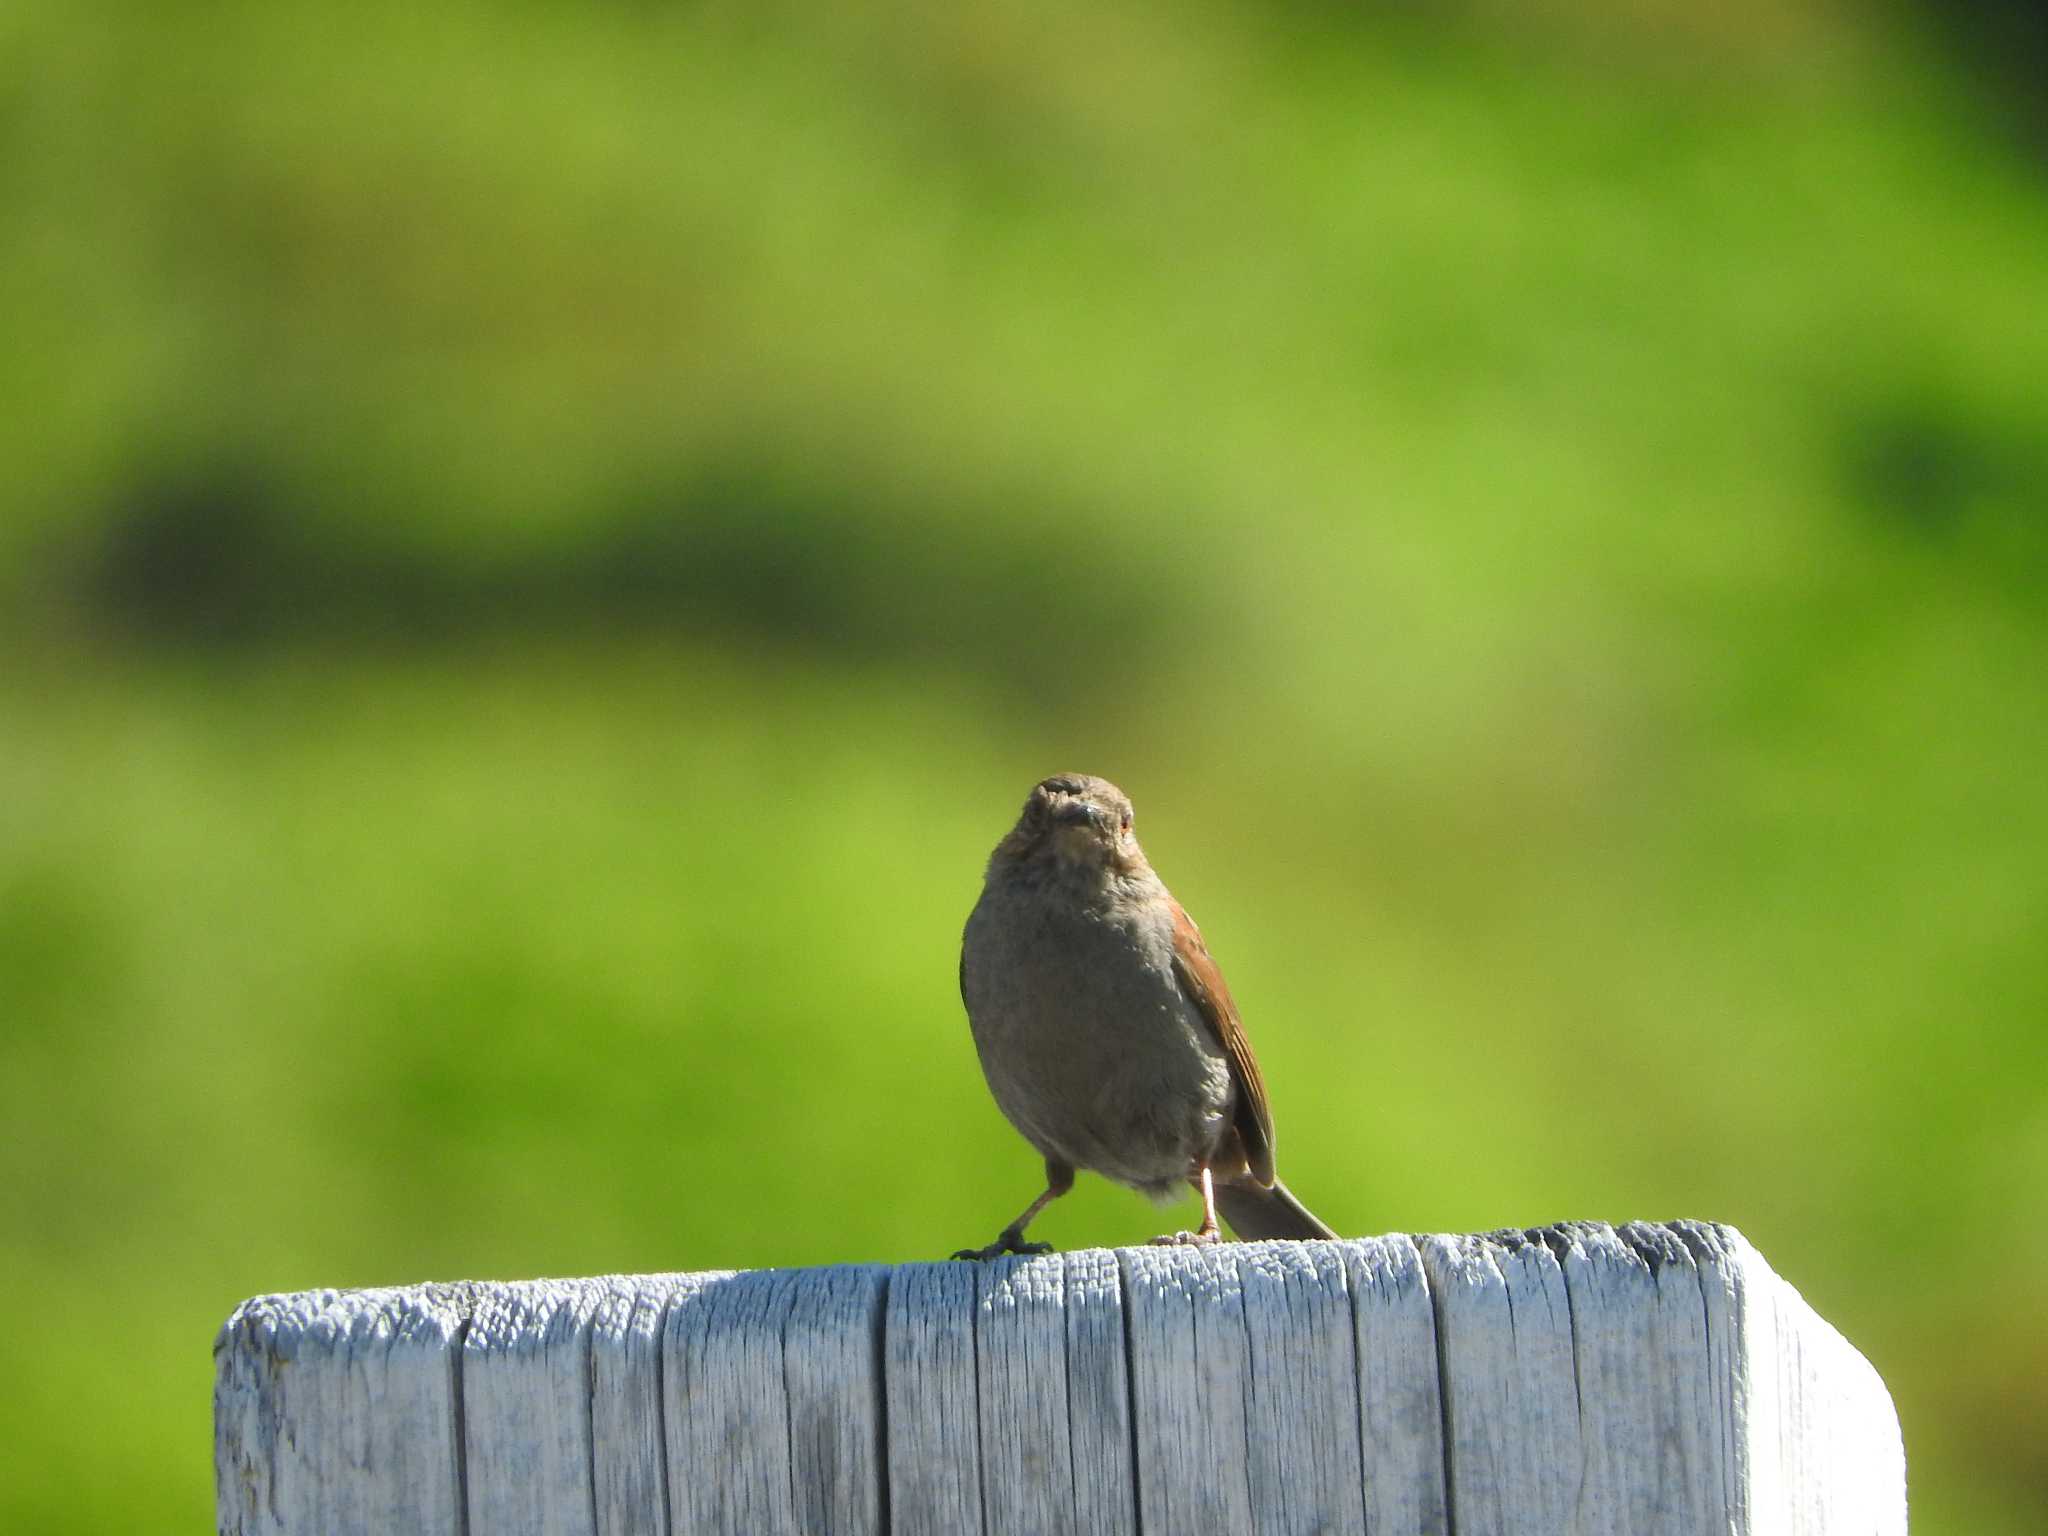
{"x": 1127, "y": 821}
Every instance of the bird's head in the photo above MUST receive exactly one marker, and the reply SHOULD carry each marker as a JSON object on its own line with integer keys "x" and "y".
{"x": 1077, "y": 822}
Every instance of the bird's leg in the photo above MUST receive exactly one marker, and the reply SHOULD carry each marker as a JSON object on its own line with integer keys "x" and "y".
{"x": 1059, "y": 1178}
{"x": 1208, "y": 1232}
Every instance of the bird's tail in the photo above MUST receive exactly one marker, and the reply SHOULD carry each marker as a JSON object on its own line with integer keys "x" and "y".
{"x": 1254, "y": 1212}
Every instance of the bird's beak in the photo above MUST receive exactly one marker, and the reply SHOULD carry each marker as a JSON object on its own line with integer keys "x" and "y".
{"x": 1080, "y": 813}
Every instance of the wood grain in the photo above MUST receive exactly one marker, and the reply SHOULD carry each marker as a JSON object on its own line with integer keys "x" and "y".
{"x": 1579, "y": 1378}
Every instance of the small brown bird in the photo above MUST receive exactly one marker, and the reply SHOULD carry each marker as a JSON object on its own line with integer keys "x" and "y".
{"x": 1104, "y": 1028}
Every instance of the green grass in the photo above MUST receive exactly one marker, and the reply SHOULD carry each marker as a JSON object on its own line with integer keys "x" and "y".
{"x": 543, "y": 547}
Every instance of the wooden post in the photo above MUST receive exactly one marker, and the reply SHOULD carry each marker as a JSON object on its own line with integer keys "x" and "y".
{"x": 1637, "y": 1381}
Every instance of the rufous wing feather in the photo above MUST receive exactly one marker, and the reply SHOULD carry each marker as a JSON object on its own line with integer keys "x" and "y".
{"x": 1205, "y": 987}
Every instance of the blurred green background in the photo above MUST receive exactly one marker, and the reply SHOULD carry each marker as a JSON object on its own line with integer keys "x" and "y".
{"x": 543, "y": 543}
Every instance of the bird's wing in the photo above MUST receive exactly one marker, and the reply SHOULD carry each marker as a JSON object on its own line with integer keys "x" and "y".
{"x": 1203, "y": 983}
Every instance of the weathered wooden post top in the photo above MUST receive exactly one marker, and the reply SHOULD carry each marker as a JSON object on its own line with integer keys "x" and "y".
{"x": 1581, "y": 1378}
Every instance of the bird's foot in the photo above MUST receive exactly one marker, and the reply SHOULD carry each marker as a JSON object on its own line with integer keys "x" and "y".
{"x": 1010, "y": 1240}
{"x": 1201, "y": 1239}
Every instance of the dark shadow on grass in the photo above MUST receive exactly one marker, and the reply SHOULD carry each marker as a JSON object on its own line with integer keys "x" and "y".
{"x": 228, "y": 554}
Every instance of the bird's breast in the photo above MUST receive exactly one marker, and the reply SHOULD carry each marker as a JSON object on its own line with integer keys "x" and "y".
{"x": 1088, "y": 1042}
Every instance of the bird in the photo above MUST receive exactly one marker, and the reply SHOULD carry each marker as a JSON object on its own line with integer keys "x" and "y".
{"x": 1105, "y": 1029}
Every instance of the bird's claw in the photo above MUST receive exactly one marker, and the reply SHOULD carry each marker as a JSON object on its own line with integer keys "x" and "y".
{"x": 1201, "y": 1239}
{"x": 1008, "y": 1242}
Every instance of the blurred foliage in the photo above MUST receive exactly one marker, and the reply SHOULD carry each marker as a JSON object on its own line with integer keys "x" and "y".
{"x": 543, "y": 544}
